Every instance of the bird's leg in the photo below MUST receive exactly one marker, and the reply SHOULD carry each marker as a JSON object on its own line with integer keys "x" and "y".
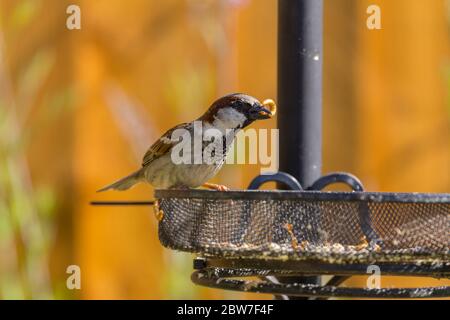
{"x": 214, "y": 186}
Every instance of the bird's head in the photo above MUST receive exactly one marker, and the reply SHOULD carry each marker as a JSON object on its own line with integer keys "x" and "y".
{"x": 236, "y": 111}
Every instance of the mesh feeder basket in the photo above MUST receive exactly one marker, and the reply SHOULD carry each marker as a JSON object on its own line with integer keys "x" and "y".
{"x": 309, "y": 232}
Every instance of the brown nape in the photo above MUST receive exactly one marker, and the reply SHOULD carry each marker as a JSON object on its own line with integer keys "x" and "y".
{"x": 208, "y": 116}
{"x": 223, "y": 102}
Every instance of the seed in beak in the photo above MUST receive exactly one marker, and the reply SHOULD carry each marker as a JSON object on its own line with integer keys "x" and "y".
{"x": 271, "y": 105}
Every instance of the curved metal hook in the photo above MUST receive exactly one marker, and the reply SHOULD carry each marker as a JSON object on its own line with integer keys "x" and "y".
{"x": 281, "y": 177}
{"x": 337, "y": 177}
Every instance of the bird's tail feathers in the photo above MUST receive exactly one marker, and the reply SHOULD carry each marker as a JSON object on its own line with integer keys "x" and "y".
{"x": 124, "y": 183}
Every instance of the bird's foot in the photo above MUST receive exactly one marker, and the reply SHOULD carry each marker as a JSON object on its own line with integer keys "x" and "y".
{"x": 217, "y": 187}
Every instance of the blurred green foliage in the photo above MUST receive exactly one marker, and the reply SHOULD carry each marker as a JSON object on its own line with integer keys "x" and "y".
{"x": 26, "y": 207}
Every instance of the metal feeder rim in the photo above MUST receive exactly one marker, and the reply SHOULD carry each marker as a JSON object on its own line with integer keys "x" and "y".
{"x": 220, "y": 279}
{"x": 355, "y": 196}
{"x": 293, "y": 267}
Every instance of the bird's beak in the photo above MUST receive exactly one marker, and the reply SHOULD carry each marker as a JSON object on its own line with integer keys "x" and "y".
{"x": 259, "y": 112}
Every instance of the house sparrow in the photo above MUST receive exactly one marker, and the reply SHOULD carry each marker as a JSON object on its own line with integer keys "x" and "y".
{"x": 227, "y": 116}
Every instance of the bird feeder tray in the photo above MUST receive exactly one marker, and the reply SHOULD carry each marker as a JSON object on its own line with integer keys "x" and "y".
{"x": 291, "y": 233}
{"x": 337, "y": 227}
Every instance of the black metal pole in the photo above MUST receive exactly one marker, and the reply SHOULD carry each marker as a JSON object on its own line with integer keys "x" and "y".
{"x": 300, "y": 28}
{"x": 300, "y": 36}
